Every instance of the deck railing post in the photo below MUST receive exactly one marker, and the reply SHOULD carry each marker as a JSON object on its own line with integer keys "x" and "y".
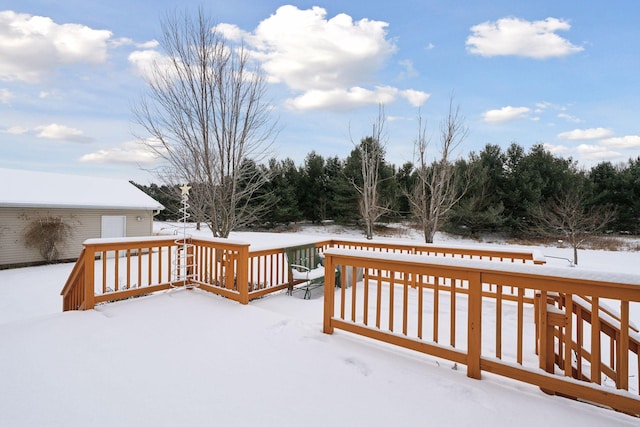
{"x": 89, "y": 278}
{"x": 243, "y": 273}
{"x": 329, "y": 293}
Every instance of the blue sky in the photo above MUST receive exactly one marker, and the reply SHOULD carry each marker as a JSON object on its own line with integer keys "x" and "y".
{"x": 559, "y": 73}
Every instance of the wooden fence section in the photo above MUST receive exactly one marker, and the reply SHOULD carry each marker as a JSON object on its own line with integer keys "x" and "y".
{"x": 489, "y": 317}
{"x": 115, "y": 269}
{"x": 514, "y": 256}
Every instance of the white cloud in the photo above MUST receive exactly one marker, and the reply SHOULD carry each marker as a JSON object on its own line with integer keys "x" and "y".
{"x": 5, "y": 96}
{"x": 596, "y": 152}
{"x": 16, "y": 130}
{"x": 513, "y": 36}
{"x": 505, "y": 114}
{"x": 586, "y": 134}
{"x": 569, "y": 118}
{"x": 130, "y": 152}
{"x": 61, "y": 133}
{"x": 342, "y": 99}
{"x": 33, "y": 46}
{"x": 543, "y": 105}
{"x": 146, "y": 61}
{"x": 629, "y": 141}
{"x": 397, "y": 118}
{"x": 151, "y": 44}
{"x": 231, "y": 32}
{"x": 556, "y": 149}
{"x": 330, "y": 62}
{"x": 409, "y": 69}
{"x": 305, "y": 50}
{"x": 415, "y": 97}
{"x": 125, "y": 41}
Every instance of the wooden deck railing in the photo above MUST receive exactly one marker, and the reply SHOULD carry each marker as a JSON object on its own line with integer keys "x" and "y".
{"x": 513, "y": 256}
{"x": 482, "y": 315}
{"x": 443, "y": 301}
{"x": 115, "y": 269}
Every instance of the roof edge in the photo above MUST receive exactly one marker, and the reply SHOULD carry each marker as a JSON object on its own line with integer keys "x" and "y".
{"x": 63, "y": 206}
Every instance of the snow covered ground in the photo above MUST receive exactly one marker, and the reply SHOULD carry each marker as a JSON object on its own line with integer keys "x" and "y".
{"x": 190, "y": 358}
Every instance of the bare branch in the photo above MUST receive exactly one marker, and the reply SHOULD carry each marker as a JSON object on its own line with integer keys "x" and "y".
{"x": 371, "y": 157}
{"x": 437, "y": 189}
{"x": 569, "y": 217}
{"x": 206, "y": 114}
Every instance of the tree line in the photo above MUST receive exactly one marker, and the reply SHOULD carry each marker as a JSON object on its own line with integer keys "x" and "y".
{"x": 508, "y": 191}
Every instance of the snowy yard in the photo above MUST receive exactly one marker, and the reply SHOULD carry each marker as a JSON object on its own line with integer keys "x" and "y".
{"x": 192, "y": 358}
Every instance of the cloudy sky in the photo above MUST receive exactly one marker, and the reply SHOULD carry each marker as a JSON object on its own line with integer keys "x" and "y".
{"x": 560, "y": 73}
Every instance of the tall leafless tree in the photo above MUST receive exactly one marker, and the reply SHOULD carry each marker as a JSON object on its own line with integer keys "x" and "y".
{"x": 371, "y": 151}
{"x": 206, "y": 114}
{"x": 568, "y": 216}
{"x": 437, "y": 187}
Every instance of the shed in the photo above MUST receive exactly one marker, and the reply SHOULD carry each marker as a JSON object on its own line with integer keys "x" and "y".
{"x": 89, "y": 207}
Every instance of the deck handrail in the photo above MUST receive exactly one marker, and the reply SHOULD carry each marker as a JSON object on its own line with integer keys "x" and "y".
{"x": 228, "y": 268}
{"x": 476, "y": 284}
{"x": 508, "y": 255}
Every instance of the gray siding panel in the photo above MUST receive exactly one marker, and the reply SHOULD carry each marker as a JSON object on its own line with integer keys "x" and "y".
{"x": 85, "y": 224}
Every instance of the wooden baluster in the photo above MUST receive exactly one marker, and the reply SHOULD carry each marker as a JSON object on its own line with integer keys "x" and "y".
{"x": 623, "y": 348}
{"x": 474, "y": 327}
{"x": 568, "y": 335}
{"x": 498, "y": 321}
{"x": 596, "y": 371}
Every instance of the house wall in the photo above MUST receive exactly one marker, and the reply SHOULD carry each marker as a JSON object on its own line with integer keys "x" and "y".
{"x": 85, "y": 224}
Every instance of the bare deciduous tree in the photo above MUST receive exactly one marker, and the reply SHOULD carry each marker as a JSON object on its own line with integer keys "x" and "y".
{"x": 437, "y": 188}
{"x": 371, "y": 156}
{"x": 206, "y": 114}
{"x": 569, "y": 217}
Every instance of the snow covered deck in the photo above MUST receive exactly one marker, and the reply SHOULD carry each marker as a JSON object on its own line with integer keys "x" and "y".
{"x": 481, "y": 309}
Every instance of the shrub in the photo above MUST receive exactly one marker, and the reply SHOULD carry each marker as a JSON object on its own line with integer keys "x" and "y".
{"x": 47, "y": 234}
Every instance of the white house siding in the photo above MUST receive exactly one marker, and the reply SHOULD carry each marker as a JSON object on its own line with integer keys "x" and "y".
{"x": 85, "y": 224}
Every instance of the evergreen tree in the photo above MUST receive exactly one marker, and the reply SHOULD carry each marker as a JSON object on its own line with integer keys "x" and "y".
{"x": 312, "y": 192}
{"x": 404, "y": 181}
{"x": 533, "y": 180}
{"x": 632, "y": 196}
{"x": 342, "y": 196}
{"x": 256, "y": 202}
{"x": 481, "y": 208}
{"x": 167, "y": 196}
{"x": 284, "y": 182}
